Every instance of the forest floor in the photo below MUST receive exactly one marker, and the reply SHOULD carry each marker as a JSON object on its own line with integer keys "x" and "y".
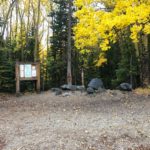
{"x": 112, "y": 120}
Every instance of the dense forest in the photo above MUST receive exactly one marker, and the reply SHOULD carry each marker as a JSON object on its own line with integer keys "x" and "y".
{"x": 75, "y": 41}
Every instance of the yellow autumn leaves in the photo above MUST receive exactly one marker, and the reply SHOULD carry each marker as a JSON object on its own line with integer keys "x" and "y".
{"x": 99, "y": 28}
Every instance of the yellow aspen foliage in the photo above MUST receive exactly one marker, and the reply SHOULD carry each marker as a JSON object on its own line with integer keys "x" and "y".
{"x": 135, "y": 29}
{"x": 102, "y": 60}
{"x": 100, "y": 27}
{"x": 147, "y": 28}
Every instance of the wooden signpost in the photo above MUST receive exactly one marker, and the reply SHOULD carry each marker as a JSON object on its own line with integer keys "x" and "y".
{"x": 27, "y": 72}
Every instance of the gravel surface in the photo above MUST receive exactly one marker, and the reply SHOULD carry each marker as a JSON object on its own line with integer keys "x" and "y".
{"x": 111, "y": 120}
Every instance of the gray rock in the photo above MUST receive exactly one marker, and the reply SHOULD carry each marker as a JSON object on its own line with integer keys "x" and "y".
{"x": 73, "y": 87}
{"x": 90, "y": 90}
{"x": 66, "y": 94}
{"x": 68, "y": 87}
{"x": 59, "y": 92}
{"x": 55, "y": 89}
{"x": 100, "y": 90}
{"x": 125, "y": 87}
{"x": 80, "y": 87}
{"x": 96, "y": 84}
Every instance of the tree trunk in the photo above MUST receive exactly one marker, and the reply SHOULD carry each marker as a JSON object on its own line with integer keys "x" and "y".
{"x": 145, "y": 62}
{"x": 16, "y": 29}
{"x": 69, "y": 73}
{"x": 10, "y": 28}
{"x": 28, "y": 27}
{"x": 7, "y": 17}
{"x": 82, "y": 76}
{"x": 46, "y": 74}
{"x": 10, "y": 34}
{"x": 21, "y": 15}
{"x": 131, "y": 76}
{"x": 36, "y": 48}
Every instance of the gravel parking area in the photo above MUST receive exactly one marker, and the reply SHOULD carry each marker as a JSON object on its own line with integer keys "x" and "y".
{"x": 112, "y": 120}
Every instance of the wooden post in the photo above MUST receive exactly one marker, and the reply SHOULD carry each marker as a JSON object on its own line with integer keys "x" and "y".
{"x": 38, "y": 79}
{"x": 82, "y": 76}
{"x": 17, "y": 79}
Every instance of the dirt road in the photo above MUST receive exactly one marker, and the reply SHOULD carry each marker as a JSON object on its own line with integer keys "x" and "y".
{"x": 108, "y": 121}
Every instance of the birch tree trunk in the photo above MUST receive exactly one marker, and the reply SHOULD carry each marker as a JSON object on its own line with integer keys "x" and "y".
{"x": 7, "y": 17}
{"x": 16, "y": 29}
{"x": 21, "y": 15}
{"x": 36, "y": 48}
{"x": 28, "y": 25}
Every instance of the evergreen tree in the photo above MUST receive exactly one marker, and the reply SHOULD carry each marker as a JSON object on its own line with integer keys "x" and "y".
{"x": 59, "y": 44}
{"x": 7, "y": 71}
{"x": 57, "y": 53}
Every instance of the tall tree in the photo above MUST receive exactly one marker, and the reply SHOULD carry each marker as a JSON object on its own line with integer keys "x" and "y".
{"x": 69, "y": 73}
{"x": 57, "y": 55}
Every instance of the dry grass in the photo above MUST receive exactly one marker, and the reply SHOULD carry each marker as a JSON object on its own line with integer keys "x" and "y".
{"x": 142, "y": 91}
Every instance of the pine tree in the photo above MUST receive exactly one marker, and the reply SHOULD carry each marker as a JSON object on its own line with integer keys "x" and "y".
{"x": 59, "y": 43}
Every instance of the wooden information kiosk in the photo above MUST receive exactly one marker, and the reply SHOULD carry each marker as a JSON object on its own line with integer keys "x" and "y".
{"x": 27, "y": 72}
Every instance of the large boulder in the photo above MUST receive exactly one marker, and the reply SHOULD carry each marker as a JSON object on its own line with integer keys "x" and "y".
{"x": 125, "y": 87}
{"x": 96, "y": 84}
